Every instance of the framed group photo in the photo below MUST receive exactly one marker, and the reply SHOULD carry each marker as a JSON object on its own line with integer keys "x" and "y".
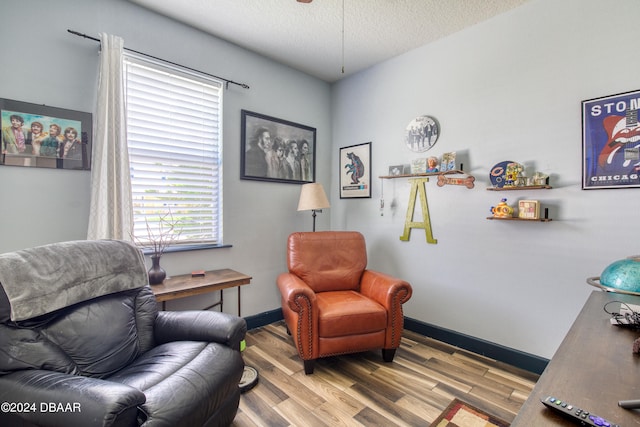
{"x": 355, "y": 171}
{"x": 41, "y": 136}
{"x": 611, "y": 141}
{"x": 276, "y": 150}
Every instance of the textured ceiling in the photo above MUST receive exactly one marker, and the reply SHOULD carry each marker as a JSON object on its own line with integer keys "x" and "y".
{"x": 308, "y": 37}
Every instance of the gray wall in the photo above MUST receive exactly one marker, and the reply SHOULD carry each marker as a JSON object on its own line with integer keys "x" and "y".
{"x": 509, "y": 88}
{"x": 50, "y": 66}
{"x": 506, "y": 89}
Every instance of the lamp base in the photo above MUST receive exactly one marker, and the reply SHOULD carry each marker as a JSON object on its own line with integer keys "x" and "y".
{"x": 314, "y": 217}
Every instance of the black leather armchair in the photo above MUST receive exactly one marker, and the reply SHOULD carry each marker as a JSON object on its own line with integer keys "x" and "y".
{"x": 110, "y": 359}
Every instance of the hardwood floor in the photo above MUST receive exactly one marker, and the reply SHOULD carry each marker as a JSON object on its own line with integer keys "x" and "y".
{"x": 362, "y": 390}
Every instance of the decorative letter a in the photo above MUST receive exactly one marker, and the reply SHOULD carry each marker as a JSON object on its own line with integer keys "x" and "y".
{"x": 417, "y": 188}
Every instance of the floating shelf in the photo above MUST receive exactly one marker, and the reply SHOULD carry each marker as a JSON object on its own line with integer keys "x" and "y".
{"x": 418, "y": 175}
{"x": 519, "y": 219}
{"x": 520, "y": 188}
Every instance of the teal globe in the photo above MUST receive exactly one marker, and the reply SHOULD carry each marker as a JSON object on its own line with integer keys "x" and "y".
{"x": 623, "y": 274}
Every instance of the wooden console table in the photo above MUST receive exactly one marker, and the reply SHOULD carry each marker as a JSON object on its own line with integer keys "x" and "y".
{"x": 185, "y": 286}
{"x": 593, "y": 368}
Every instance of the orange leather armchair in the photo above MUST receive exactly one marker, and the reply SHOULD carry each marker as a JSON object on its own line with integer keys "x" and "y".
{"x": 332, "y": 304}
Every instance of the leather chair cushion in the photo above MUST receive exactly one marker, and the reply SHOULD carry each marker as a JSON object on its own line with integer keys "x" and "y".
{"x": 100, "y": 337}
{"x": 184, "y": 381}
{"x": 344, "y": 313}
{"x": 95, "y": 338}
{"x": 328, "y": 260}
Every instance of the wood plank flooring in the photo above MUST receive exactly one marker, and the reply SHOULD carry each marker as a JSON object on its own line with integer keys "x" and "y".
{"x": 362, "y": 390}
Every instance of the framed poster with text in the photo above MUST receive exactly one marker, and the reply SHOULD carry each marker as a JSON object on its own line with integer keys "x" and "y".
{"x": 355, "y": 171}
{"x": 611, "y": 141}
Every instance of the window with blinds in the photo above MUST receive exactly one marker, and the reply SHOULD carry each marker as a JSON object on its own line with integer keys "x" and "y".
{"x": 174, "y": 132}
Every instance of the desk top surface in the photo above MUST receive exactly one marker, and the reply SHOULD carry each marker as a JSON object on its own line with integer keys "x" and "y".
{"x": 593, "y": 368}
{"x": 176, "y": 286}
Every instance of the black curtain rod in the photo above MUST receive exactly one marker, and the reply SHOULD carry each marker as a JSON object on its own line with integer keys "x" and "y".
{"x": 227, "y": 81}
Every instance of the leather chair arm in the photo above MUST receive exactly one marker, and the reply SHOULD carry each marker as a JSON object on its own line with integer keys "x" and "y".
{"x": 384, "y": 289}
{"x": 200, "y": 325}
{"x": 300, "y": 312}
{"x": 47, "y": 398}
{"x": 292, "y": 288}
{"x": 391, "y": 293}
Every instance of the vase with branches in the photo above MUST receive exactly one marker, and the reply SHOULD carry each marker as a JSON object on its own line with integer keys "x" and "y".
{"x": 158, "y": 238}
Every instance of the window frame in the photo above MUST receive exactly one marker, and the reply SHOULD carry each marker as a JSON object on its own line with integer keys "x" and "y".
{"x": 174, "y": 71}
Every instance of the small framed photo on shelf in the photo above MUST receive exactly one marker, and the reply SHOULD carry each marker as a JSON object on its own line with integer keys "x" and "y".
{"x": 448, "y": 162}
{"x": 529, "y": 209}
{"x": 419, "y": 165}
{"x": 397, "y": 170}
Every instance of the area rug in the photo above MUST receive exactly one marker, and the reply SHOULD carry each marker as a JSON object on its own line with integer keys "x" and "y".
{"x": 462, "y": 414}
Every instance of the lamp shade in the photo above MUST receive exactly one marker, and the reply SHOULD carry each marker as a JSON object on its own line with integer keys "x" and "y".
{"x": 312, "y": 197}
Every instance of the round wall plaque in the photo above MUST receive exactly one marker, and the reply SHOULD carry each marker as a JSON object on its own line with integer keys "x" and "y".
{"x": 498, "y": 172}
{"x": 421, "y": 134}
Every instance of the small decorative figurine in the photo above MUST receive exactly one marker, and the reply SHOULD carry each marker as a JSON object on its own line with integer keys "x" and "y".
{"x": 502, "y": 210}
{"x": 540, "y": 178}
{"x": 512, "y": 173}
{"x": 467, "y": 182}
{"x": 432, "y": 164}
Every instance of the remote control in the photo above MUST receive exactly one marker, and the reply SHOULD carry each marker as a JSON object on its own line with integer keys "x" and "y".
{"x": 581, "y": 416}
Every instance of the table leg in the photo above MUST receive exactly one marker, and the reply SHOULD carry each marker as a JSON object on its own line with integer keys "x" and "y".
{"x": 250, "y": 374}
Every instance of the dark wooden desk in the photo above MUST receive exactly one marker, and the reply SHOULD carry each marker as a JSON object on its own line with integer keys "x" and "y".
{"x": 593, "y": 368}
{"x": 185, "y": 286}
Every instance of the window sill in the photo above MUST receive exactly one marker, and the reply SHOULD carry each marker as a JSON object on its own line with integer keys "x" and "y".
{"x": 185, "y": 248}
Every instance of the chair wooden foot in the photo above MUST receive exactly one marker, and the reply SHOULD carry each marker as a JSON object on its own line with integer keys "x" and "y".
{"x": 388, "y": 354}
{"x": 308, "y": 366}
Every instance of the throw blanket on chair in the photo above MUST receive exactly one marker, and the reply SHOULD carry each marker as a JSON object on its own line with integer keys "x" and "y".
{"x": 46, "y": 278}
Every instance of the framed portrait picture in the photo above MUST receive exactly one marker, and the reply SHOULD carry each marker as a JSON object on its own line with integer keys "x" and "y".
{"x": 355, "y": 171}
{"x": 40, "y": 136}
{"x": 276, "y": 150}
{"x": 611, "y": 141}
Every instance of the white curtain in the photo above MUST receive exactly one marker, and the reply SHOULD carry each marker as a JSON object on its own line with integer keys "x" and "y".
{"x": 110, "y": 215}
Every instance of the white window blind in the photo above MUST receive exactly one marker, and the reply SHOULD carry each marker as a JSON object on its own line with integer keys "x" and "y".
{"x": 174, "y": 131}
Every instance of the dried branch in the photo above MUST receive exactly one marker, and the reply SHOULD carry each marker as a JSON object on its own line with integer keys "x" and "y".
{"x": 168, "y": 232}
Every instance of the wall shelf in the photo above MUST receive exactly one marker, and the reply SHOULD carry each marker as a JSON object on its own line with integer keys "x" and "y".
{"x": 520, "y": 188}
{"x": 519, "y": 219}
{"x": 418, "y": 175}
